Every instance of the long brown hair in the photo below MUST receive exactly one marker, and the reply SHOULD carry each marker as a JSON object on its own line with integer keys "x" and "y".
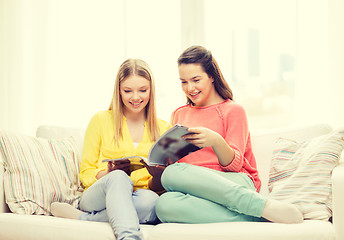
{"x": 200, "y": 55}
{"x": 128, "y": 68}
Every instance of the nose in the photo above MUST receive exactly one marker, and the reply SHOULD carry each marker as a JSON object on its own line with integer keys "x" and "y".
{"x": 135, "y": 95}
{"x": 191, "y": 87}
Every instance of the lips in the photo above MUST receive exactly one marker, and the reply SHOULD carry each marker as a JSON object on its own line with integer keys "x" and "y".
{"x": 194, "y": 95}
{"x": 136, "y": 104}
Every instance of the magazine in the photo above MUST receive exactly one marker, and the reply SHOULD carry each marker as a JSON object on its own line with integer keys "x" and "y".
{"x": 170, "y": 145}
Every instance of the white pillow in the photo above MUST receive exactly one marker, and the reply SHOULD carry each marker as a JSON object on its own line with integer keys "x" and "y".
{"x": 38, "y": 172}
{"x": 301, "y": 173}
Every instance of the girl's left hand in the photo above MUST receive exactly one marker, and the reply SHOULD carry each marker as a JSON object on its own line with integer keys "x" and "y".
{"x": 202, "y": 137}
{"x": 156, "y": 172}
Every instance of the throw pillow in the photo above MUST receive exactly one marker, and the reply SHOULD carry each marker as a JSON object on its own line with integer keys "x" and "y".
{"x": 38, "y": 172}
{"x": 300, "y": 173}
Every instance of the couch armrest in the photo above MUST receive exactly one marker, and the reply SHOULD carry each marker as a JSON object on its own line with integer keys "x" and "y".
{"x": 3, "y": 205}
{"x": 338, "y": 199}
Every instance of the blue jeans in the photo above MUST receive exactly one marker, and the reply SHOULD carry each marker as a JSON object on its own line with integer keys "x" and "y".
{"x": 111, "y": 199}
{"x": 202, "y": 195}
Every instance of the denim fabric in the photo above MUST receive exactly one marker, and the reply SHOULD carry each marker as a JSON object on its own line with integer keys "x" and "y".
{"x": 111, "y": 199}
{"x": 202, "y": 195}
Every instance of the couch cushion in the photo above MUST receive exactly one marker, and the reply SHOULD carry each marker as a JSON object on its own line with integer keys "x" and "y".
{"x": 308, "y": 230}
{"x": 33, "y": 227}
{"x": 301, "y": 173}
{"x": 38, "y": 171}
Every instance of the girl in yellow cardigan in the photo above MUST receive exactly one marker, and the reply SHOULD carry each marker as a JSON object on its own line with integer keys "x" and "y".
{"x": 128, "y": 128}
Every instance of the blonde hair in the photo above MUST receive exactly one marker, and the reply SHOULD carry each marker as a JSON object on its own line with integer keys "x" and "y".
{"x": 128, "y": 68}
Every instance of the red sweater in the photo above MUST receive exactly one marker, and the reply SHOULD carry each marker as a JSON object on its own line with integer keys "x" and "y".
{"x": 229, "y": 120}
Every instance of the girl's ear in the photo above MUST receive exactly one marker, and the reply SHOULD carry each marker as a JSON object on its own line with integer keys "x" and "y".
{"x": 211, "y": 77}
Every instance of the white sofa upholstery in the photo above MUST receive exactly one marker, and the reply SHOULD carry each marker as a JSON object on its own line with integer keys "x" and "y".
{"x": 30, "y": 227}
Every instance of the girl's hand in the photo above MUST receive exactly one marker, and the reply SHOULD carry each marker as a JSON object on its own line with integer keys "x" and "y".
{"x": 202, "y": 137}
{"x": 156, "y": 172}
{"x": 123, "y": 165}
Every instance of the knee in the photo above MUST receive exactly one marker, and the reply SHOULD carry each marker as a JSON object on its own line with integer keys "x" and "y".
{"x": 118, "y": 177}
{"x": 117, "y": 174}
{"x": 145, "y": 201}
{"x": 171, "y": 175}
{"x": 167, "y": 206}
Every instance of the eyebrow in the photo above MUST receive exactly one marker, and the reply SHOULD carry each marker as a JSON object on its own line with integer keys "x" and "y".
{"x": 191, "y": 78}
{"x": 126, "y": 87}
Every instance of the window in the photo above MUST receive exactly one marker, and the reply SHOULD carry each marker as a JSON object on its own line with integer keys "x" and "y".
{"x": 254, "y": 43}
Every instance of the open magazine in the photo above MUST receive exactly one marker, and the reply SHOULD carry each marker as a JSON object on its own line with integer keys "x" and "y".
{"x": 170, "y": 145}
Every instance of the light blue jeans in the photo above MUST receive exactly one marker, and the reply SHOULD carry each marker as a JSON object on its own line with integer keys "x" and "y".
{"x": 202, "y": 195}
{"x": 111, "y": 199}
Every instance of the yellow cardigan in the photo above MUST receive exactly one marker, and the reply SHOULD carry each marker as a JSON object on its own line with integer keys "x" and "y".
{"x": 99, "y": 145}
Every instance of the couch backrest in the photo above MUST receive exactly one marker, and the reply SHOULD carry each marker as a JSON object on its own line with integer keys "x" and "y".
{"x": 262, "y": 144}
{"x": 55, "y": 132}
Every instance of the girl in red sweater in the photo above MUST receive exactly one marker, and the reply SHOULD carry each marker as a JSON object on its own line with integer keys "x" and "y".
{"x": 220, "y": 182}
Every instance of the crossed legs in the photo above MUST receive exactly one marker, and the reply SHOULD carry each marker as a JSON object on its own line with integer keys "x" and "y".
{"x": 201, "y": 195}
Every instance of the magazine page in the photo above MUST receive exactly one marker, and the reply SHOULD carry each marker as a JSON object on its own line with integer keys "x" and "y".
{"x": 171, "y": 145}
{"x": 126, "y": 158}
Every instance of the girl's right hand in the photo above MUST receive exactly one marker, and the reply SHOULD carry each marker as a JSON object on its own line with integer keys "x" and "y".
{"x": 202, "y": 137}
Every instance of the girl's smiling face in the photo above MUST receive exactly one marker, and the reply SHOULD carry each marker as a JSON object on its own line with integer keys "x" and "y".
{"x": 196, "y": 84}
{"x": 135, "y": 93}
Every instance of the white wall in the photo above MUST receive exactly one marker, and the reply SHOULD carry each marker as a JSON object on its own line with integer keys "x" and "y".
{"x": 311, "y": 87}
{"x": 336, "y": 60}
{"x": 3, "y": 74}
{"x": 320, "y": 63}
{"x": 58, "y": 59}
{"x": 153, "y": 33}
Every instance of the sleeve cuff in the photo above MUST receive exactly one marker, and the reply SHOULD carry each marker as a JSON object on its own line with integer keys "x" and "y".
{"x": 236, "y": 163}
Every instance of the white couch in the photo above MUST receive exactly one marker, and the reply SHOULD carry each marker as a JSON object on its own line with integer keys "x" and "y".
{"x": 30, "y": 227}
